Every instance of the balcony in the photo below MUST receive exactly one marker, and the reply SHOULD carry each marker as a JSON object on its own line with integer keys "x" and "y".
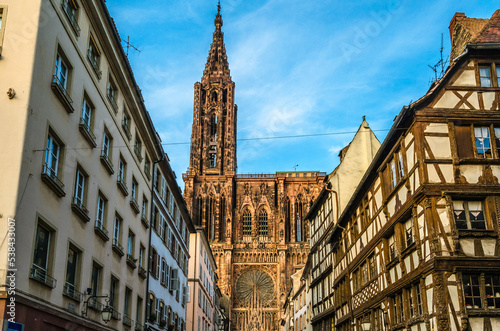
{"x": 49, "y": 176}
{"x": 71, "y": 16}
{"x": 126, "y": 129}
{"x": 144, "y": 220}
{"x": 106, "y": 162}
{"x": 116, "y": 315}
{"x": 127, "y": 320}
{"x": 112, "y": 99}
{"x": 138, "y": 326}
{"x": 100, "y": 230}
{"x": 131, "y": 261}
{"x": 94, "y": 63}
{"x": 41, "y": 276}
{"x": 87, "y": 133}
{"x": 79, "y": 208}
{"x": 70, "y": 291}
{"x": 137, "y": 150}
{"x": 117, "y": 247}
{"x": 122, "y": 186}
{"x": 134, "y": 205}
{"x": 62, "y": 94}
{"x": 142, "y": 272}
{"x": 94, "y": 304}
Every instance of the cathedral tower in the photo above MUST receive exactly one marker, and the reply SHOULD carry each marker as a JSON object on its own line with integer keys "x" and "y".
{"x": 254, "y": 222}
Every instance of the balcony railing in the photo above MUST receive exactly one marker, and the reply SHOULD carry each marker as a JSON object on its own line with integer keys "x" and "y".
{"x": 134, "y": 205}
{"x": 79, "y": 208}
{"x": 87, "y": 132}
{"x": 126, "y": 129}
{"x": 49, "y": 176}
{"x": 70, "y": 291}
{"x": 94, "y": 304}
{"x": 62, "y": 94}
{"x": 138, "y": 326}
{"x": 93, "y": 63}
{"x": 116, "y": 315}
{"x": 106, "y": 162}
{"x": 100, "y": 230}
{"x": 112, "y": 99}
{"x": 127, "y": 320}
{"x": 123, "y": 187}
{"x": 145, "y": 220}
{"x": 117, "y": 247}
{"x": 40, "y": 275}
{"x": 131, "y": 261}
{"x": 71, "y": 17}
{"x": 137, "y": 150}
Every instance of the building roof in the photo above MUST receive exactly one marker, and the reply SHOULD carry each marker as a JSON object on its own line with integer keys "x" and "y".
{"x": 491, "y": 30}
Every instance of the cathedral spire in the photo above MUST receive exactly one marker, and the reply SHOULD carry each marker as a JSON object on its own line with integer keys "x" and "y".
{"x": 218, "y": 18}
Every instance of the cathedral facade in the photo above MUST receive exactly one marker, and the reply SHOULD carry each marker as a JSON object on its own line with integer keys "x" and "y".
{"x": 255, "y": 223}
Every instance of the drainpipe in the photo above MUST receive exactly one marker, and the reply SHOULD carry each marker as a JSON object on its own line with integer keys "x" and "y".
{"x": 150, "y": 234}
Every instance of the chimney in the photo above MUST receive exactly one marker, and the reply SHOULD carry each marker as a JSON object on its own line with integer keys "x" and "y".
{"x": 452, "y": 24}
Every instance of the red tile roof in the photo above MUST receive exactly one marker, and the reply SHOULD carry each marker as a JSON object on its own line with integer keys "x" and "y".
{"x": 491, "y": 31}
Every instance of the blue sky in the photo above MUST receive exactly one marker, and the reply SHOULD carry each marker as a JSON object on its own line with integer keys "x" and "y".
{"x": 300, "y": 67}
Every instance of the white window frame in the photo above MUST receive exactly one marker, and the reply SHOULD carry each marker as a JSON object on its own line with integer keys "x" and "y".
{"x": 52, "y": 154}
{"x": 79, "y": 188}
{"x": 61, "y": 71}
{"x": 86, "y": 118}
{"x": 100, "y": 209}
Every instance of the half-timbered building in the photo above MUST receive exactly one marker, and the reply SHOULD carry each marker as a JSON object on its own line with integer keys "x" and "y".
{"x": 417, "y": 247}
{"x": 323, "y": 215}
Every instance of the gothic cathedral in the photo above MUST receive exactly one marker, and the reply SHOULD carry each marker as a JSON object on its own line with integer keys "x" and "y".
{"x": 255, "y": 223}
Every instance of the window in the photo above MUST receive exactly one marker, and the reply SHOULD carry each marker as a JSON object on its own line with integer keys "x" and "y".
{"x": 101, "y": 211}
{"x": 112, "y": 93}
{"x": 497, "y": 70}
{"x": 134, "y": 190}
{"x": 130, "y": 245}
{"x": 113, "y": 292}
{"x": 147, "y": 167}
{"x": 52, "y": 157}
{"x": 142, "y": 251}
{"x": 127, "y": 302}
{"x": 94, "y": 56}
{"x": 42, "y": 249}
{"x": 80, "y": 189}
{"x": 138, "y": 146}
{"x": 87, "y": 110}
{"x": 126, "y": 123}
{"x": 263, "y": 226}
{"x": 61, "y": 72}
{"x": 70, "y": 286}
{"x": 410, "y": 239}
{"x": 138, "y": 311}
{"x": 483, "y": 141}
{"x": 247, "y": 224}
{"x": 398, "y": 308}
{"x": 472, "y": 291}
{"x": 372, "y": 261}
{"x": 212, "y": 155}
{"x": 144, "y": 209}
{"x": 70, "y": 8}
{"x": 469, "y": 215}
{"x": 485, "y": 76}
{"x": 392, "y": 248}
{"x": 95, "y": 280}
{"x": 415, "y": 300}
{"x": 122, "y": 173}
{"x": 3, "y": 12}
{"x": 117, "y": 229}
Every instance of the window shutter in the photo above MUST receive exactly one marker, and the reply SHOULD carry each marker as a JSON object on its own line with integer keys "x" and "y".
{"x": 463, "y": 136}
{"x": 162, "y": 280}
{"x": 168, "y": 237}
{"x": 157, "y": 310}
{"x": 151, "y": 260}
{"x": 167, "y": 276}
{"x": 188, "y": 293}
{"x": 158, "y": 261}
{"x": 174, "y": 281}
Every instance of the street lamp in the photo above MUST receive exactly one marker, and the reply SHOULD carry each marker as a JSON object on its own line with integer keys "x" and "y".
{"x": 366, "y": 324}
{"x": 106, "y": 312}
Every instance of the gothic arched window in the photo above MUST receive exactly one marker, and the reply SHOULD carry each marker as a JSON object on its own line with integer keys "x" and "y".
{"x": 263, "y": 226}
{"x": 247, "y": 224}
{"x": 222, "y": 219}
{"x": 210, "y": 217}
{"x": 287, "y": 219}
{"x": 299, "y": 228}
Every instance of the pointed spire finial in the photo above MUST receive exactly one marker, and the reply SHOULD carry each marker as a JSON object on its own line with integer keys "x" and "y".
{"x": 218, "y": 18}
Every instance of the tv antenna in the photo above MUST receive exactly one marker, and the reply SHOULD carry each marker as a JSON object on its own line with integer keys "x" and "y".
{"x": 439, "y": 68}
{"x": 128, "y": 45}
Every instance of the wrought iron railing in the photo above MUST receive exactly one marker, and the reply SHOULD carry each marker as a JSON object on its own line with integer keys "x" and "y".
{"x": 40, "y": 274}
